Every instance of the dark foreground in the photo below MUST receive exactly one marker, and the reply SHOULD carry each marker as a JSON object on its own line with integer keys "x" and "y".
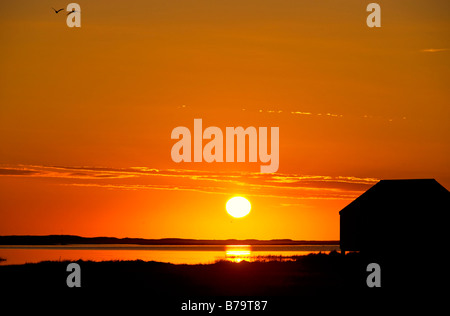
{"x": 284, "y": 284}
{"x": 307, "y": 274}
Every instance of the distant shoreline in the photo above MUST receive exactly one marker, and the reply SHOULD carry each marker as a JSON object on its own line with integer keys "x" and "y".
{"x": 73, "y": 239}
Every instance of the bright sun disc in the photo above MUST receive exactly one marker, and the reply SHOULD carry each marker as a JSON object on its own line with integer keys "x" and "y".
{"x": 238, "y": 206}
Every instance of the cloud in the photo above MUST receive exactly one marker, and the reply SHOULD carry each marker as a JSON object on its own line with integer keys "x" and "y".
{"x": 292, "y": 186}
{"x": 435, "y": 50}
{"x": 17, "y": 172}
{"x": 325, "y": 115}
{"x": 301, "y": 113}
{"x": 258, "y": 192}
{"x": 278, "y": 111}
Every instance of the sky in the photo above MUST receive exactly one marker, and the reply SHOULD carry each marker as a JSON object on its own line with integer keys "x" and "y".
{"x": 86, "y": 114}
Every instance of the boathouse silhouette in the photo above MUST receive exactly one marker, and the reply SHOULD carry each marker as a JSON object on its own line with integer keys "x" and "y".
{"x": 393, "y": 216}
{"x": 400, "y": 225}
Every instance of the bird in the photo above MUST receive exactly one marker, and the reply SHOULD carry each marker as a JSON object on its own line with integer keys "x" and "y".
{"x": 57, "y": 11}
{"x": 71, "y": 12}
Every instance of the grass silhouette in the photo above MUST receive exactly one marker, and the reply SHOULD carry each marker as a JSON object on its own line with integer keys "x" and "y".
{"x": 266, "y": 276}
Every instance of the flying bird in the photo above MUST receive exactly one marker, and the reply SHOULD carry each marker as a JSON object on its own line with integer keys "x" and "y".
{"x": 71, "y": 12}
{"x": 57, "y": 11}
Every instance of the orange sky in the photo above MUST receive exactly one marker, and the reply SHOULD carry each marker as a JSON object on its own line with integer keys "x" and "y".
{"x": 86, "y": 114}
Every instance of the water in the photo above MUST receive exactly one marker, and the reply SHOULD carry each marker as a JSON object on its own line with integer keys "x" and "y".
{"x": 172, "y": 254}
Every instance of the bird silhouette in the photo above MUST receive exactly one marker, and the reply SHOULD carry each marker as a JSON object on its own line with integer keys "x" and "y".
{"x": 57, "y": 11}
{"x": 71, "y": 12}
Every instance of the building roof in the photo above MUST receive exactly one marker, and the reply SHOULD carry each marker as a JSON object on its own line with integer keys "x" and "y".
{"x": 402, "y": 196}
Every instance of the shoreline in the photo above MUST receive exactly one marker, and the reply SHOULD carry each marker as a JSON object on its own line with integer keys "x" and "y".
{"x": 13, "y": 240}
{"x": 176, "y": 254}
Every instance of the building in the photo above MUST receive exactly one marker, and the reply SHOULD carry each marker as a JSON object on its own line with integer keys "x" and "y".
{"x": 395, "y": 216}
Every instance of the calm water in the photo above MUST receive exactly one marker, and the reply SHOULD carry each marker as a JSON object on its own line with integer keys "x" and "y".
{"x": 172, "y": 254}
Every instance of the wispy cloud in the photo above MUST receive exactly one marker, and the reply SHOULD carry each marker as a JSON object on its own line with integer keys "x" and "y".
{"x": 435, "y": 50}
{"x": 325, "y": 115}
{"x": 293, "y": 186}
{"x": 301, "y": 113}
{"x": 17, "y": 172}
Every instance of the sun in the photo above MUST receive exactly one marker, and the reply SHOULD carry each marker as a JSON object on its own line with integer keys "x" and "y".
{"x": 238, "y": 206}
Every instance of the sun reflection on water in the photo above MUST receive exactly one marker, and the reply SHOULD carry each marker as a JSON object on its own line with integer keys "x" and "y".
{"x": 238, "y": 253}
